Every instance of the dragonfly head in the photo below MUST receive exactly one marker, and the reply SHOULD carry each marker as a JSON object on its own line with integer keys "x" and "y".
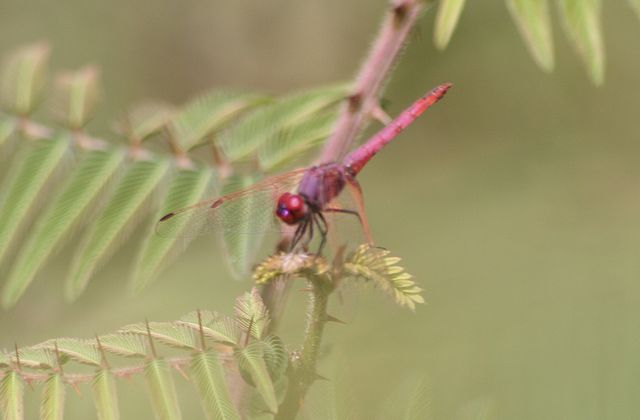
{"x": 291, "y": 208}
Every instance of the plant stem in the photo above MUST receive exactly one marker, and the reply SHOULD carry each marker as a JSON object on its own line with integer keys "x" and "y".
{"x": 302, "y": 371}
{"x": 363, "y": 100}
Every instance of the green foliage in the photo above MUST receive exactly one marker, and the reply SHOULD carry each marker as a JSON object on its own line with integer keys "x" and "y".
{"x": 162, "y": 390}
{"x": 379, "y": 267}
{"x": 12, "y": 396}
{"x": 53, "y": 395}
{"x": 582, "y": 23}
{"x": 581, "y": 19}
{"x": 76, "y": 96}
{"x": 187, "y": 187}
{"x": 83, "y": 186}
{"x": 534, "y": 23}
{"x": 105, "y": 395}
{"x": 25, "y": 186}
{"x": 208, "y": 379}
{"x": 446, "y": 20}
{"x": 253, "y": 367}
{"x": 116, "y": 221}
{"x": 22, "y": 79}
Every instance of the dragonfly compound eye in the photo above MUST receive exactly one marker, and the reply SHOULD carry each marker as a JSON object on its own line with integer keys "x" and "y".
{"x": 291, "y": 208}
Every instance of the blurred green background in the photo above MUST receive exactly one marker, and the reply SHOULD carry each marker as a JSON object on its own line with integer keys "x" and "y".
{"x": 515, "y": 202}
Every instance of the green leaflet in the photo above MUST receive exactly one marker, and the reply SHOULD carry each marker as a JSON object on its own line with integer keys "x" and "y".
{"x": 146, "y": 120}
{"x": 446, "y": 20}
{"x": 28, "y": 177}
{"x": 252, "y": 313}
{"x": 187, "y": 187}
{"x": 162, "y": 390}
{"x": 207, "y": 376}
{"x": 291, "y": 143}
{"x": 76, "y": 95}
{"x": 581, "y": 20}
{"x": 79, "y": 192}
{"x": 251, "y": 362}
{"x": 208, "y": 113}
{"x": 534, "y": 23}
{"x": 378, "y": 266}
{"x": 218, "y": 327}
{"x": 116, "y": 221}
{"x": 243, "y": 233}
{"x": 253, "y": 130}
{"x": 23, "y": 77}
{"x": 80, "y": 350}
{"x": 37, "y": 358}
{"x": 105, "y": 397}
{"x": 635, "y": 4}
{"x": 12, "y": 396}
{"x": 275, "y": 356}
{"x": 53, "y": 393}
{"x": 128, "y": 345}
{"x": 166, "y": 333}
{"x": 7, "y": 127}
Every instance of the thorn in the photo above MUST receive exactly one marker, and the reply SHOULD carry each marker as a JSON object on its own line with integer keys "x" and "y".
{"x": 380, "y": 115}
{"x": 318, "y": 377}
{"x": 58, "y": 358}
{"x": 182, "y": 373}
{"x": 76, "y": 389}
{"x": 355, "y": 102}
{"x": 17, "y": 357}
{"x": 29, "y": 382}
{"x": 202, "y": 339}
{"x": 105, "y": 363}
{"x": 400, "y": 11}
{"x": 151, "y": 344}
{"x": 331, "y": 318}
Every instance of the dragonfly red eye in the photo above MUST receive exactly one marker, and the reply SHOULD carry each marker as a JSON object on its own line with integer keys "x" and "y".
{"x": 291, "y": 208}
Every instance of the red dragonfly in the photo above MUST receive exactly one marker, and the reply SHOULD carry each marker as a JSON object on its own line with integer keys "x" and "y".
{"x": 300, "y": 198}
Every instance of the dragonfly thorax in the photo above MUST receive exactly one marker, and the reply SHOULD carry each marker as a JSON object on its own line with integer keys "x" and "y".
{"x": 291, "y": 208}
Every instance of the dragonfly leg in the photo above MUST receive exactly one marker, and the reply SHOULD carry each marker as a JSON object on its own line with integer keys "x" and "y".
{"x": 323, "y": 228}
{"x": 300, "y": 231}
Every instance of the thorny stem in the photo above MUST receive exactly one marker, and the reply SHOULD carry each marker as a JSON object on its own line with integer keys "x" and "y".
{"x": 302, "y": 370}
{"x": 363, "y": 100}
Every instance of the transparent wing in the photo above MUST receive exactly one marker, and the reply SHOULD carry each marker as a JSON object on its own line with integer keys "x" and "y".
{"x": 247, "y": 211}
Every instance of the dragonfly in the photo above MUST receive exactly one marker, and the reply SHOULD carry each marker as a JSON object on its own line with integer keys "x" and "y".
{"x": 298, "y": 200}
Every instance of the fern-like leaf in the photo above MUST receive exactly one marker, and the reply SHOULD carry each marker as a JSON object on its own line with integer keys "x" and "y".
{"x": 82, "y": 188}
{"x": 187, "y": 187}
{"x": 167, "y": 333}
{"x": 581, "y": 20}
{"x": 241, "y": 248}
{"x": 275, "y": 356}
{"x": 23, "y": 76}
{"x": 533, "y": 21}
{"x": 208, "y": 378}
{"x": 252, "y": 131}
{"x": 208, "y": 113}
{"x": 251, "y": 313}
{"x": 162, "y": 390}
{"x": 446, "y": 21}
{"x": 127, "y": 345}
{"x": 30, "y": 175}
{"x": 12, "y": 396}
{"x": 7, "y": 128}
{"x": 36, "y": 358}
{"x": 145, "y": 120}
{"x": 635, "y": 4}
{"x": 116, "y": 221}
{"x": 378, "y": 266}
{"x": 82, "y": 351}
{"x": 53, "y": 394}
{"x": 105, "y": 396}
{"x": 291, "y": 143}
{"x": 76, "y": 95}
{"x": 220, "y": 328}
{"x": 252, "y": 364}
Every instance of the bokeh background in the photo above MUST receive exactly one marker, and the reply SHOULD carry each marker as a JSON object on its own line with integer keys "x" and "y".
{"x": 515, "y": 202}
